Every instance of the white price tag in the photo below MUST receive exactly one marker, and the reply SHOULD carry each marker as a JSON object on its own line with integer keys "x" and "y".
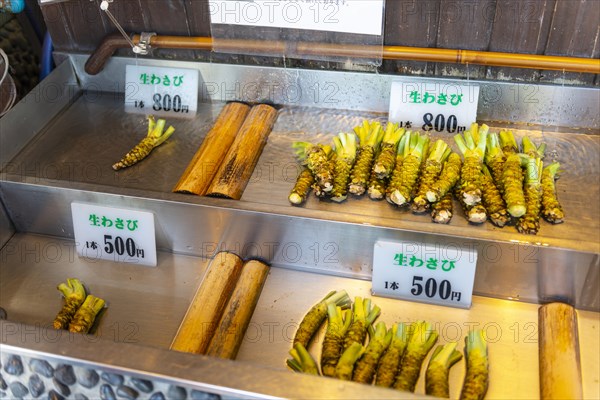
{"x": 427, "y": 273}
{"x": 114, "y": 234}
{"x": 161, "y": 91}
{"x": 349, "y": 16}
{"x": 433, "y": 106}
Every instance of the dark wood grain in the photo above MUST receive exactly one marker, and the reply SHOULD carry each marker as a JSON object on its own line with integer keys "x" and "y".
{"x": 86, "y": 23}
{"x": 58, "y": 27}
{"x": 574, "y": 32}
{"x": 411, "y": 23}
{"x": 520, "y": 26}
{"x": 465, "y": 25}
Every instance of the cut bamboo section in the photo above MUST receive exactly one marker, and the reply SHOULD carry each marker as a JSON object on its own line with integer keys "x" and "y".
{"x": 237, "y": 167}
{"x": 206, "y": 308}
{"x": 200, "y": 171}
{"x": 560, "y": 367}
{"x": 232, "y": 327}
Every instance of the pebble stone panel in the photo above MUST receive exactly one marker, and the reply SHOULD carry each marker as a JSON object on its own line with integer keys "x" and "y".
{"x": 32, "y": 378}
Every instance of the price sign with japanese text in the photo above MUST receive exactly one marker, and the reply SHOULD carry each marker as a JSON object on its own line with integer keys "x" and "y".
{"x": 161, "y": 91}
{"x": 114, "y": 234}
{"x": 428, "y": 273}
{"x": 433, "y": 105}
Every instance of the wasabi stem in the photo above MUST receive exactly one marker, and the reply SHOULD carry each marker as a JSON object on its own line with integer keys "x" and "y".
{"x": 432, "y": 169}
{"x": 74, "y": 293}
{"x": 155, "y": 137}
{"x": 345, "y": 149}
{"x": 551, "y": 209}
{"x": 447, "y": 180}
{"x": 414, "y": 152}
{"x": 302, "y": 187}
{"x": 338, "y": 323}
{"x": 438, "y": 370}
{"x": 476, "y": 380}
{"x": 345, "y": 366}
{"x": 472, "y": 146}
{"x": 86, "y": 314}
{"x": 317, "y": 314}
{"x": 302, "y": 361}
{"x": 384, "y": 163}
{"x": 493, "y": 201}
{"x": 421, "y": 341}
{"x": 365, "y": 368}
{"x": 390, "y": 361}
{"x": 369, "y": 135}
{"x": 530, "y": 149}
{"x": 317, "y": 158}
{"x": 363, "y": 315}
{"x": 508, "y": 143}
{"x": 441, "y": 212}
{"x": 530, "y": 222}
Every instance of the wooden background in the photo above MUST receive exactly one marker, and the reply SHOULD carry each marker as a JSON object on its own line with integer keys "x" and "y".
{"x": 553, "y": 27}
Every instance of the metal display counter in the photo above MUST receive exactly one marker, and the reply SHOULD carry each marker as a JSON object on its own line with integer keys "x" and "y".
{"x": 58, "y": 146}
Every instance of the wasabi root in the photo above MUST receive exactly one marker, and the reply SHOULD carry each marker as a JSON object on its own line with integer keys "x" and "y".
{"x": 476, "y": 380}
{"x": 438, "y": 370}
{"x": 74, "y": 293}
{"x": 420, "y": 343}
{"x": 302, "y": 361}
{"x": 551, "y": 209}
{"x": 390, "y": 361}
{"x": 365, "y": 368}
{"x": 155, "y": 137}
{"x": 333, "y": 343}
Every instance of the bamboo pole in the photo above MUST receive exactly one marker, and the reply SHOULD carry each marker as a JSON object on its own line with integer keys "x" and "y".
{"x": 206, "y": 308}
{"x": 200, "y": 171}
{"x": 231, "y": 330}
{"x": 276, "y": 48}
{"x": 237, "y": 167}
{"x": 560, "y": 368}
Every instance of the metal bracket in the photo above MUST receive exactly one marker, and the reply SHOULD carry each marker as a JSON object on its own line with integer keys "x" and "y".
{"x": 143, "y": 46}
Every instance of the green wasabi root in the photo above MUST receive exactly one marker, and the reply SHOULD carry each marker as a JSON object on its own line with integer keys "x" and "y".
{"x": 493, "y": 201}
{"x": 432, "y": 168}
{"x": 447, "y": 179}
{"x": 345, "y": 149}
{"x": 530, "y": 222}
{"x": 74, "y": 293}
{"x": 414, "y": 152}
{"x": 363, "y": 315}
{"x": 155, "y": 137}
{"x": 441, "y": 212}
{"x": 476, "y": 380}
{"x": 386, "y": 159}
{"x": 472, "y": 146}
{"x": 389, "y": 364}
{"x": 301, "y": 189}
{"x": 369, "y": 135}
{"x": 333, "y": 343}
{"x": 438, "y": 370}
{"x": 316, "y": 315}
{"x": 86, "y": 314}
{"x": 302, "y": 361}
{"x": 420, "y": 343}
{"x": 552, "y": 211}
{"x": 317, "y": 158}
{"x": 365, "y": 368}
{"x": 345, "y": 366}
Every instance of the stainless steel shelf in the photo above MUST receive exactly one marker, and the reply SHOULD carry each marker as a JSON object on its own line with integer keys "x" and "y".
{"x": 147, "y": 304}
{"x": 78, "y": 148}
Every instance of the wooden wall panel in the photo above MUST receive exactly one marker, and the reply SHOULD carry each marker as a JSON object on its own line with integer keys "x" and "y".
{"x": 574, "y": 32}
{"x": 556, "y": 27}
{"x": 520, "y": 27}
{"x": 465, "y": 25}
{"x": 411, "y": 23}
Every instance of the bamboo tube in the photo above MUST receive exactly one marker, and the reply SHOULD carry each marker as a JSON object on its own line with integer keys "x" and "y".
{"x": 231, "y": 330}
{"x": 560, "y": 368}
{"x": 206, "y": 308}
{"x": 237, "y": 167}
{"x": 200, "y": 171}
